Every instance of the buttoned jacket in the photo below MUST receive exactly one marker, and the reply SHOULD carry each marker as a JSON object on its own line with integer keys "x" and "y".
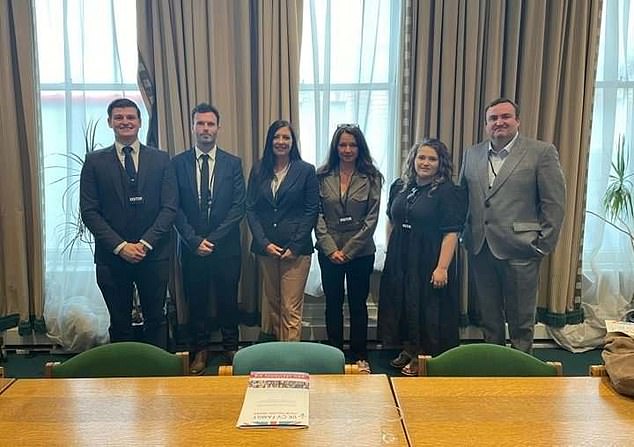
{"x": 347, "y": 222}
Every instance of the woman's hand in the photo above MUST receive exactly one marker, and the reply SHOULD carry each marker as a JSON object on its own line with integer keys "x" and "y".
{"x": 337, "y": 257}
{"x": 439, "y": 278}
{"x": 274, "y": 250}
{"x": 287, "y": 254}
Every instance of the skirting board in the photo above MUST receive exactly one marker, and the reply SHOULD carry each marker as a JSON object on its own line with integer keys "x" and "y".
{"x": 311, "y": 331}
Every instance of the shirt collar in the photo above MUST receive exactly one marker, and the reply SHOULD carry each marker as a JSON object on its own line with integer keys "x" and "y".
{"x": 212, "y": 152}
{"x": 136, "y": 146}
{"x": 506, "y": 149}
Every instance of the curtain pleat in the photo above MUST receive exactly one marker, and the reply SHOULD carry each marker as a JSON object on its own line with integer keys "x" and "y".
{"x": 240, "y": 55}
{"x": 461, "y": 54}
{"x": 21, "y": 254}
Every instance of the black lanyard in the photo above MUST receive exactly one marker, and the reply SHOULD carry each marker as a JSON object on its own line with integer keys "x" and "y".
{"x": 410, "y": 200}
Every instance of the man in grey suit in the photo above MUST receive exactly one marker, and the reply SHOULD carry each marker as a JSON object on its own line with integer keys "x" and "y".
{"x": 516, "y": 208}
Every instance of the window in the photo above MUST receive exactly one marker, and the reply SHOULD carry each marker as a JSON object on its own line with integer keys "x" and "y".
{"x": 608, "y": 258}
{"x": 348, "y": 74}
{"x": 87, "y": 56}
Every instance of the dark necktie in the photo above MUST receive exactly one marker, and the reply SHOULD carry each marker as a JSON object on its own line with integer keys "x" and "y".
{"x": 204, "y": 186}
{"x": 128, "y": 163}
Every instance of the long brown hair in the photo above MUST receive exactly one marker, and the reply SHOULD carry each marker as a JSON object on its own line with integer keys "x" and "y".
{"x": 363, "y": 163}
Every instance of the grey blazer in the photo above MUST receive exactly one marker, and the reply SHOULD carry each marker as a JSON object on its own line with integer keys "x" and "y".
{"x": 360, "y": 212}
{"x": 521, "y": 214}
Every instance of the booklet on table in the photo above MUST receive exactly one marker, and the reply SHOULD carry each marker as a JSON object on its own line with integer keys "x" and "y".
{"x": 276, "y": 399}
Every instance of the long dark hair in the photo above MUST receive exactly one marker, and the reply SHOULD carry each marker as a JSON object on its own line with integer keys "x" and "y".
{"x": 363, "y": 163}
{"x": 445, "y": 167}
{"x": 267, "y": 162}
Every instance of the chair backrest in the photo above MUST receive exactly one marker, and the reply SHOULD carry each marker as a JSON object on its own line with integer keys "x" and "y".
{"x": 313, "y": 358}
{"x": 597, "y": 371}
{"x": 9, "y": 321}
{"x": 123, "y": 359}
{"x": 487, "y": 360}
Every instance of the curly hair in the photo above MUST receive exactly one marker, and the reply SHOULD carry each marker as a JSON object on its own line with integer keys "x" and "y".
{"x": 445, "y": 167}
{"x": 363, "y": 163}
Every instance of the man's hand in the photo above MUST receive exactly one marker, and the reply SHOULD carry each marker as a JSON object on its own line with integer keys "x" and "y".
{"x": 205, "y": 248}
{"x": 133, "y": 252}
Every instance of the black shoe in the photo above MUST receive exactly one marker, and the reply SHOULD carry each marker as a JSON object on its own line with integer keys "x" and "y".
{"x": 199, "y": 364}
{"x": 401, "y": 361}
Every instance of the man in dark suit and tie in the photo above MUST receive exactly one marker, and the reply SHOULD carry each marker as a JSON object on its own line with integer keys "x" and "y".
{"x": 516, "y": 208}
{"x": 212, "y": 204}
{"x": 128, "y": 201}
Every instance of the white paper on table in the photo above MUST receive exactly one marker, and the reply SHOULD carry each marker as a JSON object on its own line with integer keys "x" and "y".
{"x": 623, "y": 327}
{"x": 276, "y": 399}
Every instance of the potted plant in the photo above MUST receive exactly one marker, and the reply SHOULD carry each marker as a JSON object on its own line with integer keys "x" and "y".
{"x": 74, "y": 230}
{"x": 617, "y": 198}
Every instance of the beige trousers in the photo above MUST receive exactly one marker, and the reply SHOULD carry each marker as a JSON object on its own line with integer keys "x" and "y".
{"x": 283, "y": 284}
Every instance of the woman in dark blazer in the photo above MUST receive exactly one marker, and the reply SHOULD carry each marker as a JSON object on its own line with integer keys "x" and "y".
{"x": 350, "y": 192}
{"x": 282, "y": 206}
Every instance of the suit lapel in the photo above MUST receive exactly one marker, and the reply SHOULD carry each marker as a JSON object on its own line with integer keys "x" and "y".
{"x": 142, "y": 168}
{"x": 190, "y": 173}
{"x": 116, "y": 170}
{"x": 289, "y": 180}
{"x": 518, "y": 152}
{"x": 218, "y": 174}
{"x": 482, "y": 166}
{"x": 357, "y": 183}
{"x": 331, "y": 185}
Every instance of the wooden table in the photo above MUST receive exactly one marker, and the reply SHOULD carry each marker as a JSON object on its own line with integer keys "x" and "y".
{"x": 570, "y": 411}
{"x": 5, "y": 383}
{"x": 356, "y": 410}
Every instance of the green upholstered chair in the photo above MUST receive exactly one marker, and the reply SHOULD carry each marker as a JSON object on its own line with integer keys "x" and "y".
{"x": 123, "y": 359}
{"x": 313, "y": 358}
{"x": 486, "y": 360}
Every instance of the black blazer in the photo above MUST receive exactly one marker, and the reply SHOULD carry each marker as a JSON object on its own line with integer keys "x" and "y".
{"x": 227, "y": 204}
{"x": 103, "y": 202}
{"x": 288, "y": 219}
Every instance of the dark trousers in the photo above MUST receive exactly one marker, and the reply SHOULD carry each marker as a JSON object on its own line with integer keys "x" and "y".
{"x": 116, "y": 282}
{"x": 210, "y": 282}
{"x": 356, "y": 274}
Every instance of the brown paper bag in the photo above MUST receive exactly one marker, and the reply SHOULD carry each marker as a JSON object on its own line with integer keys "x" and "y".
{"x": 618, "y": 356}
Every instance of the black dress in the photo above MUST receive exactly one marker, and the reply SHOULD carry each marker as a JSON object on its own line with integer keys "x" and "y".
{"x": 411, "y": 310}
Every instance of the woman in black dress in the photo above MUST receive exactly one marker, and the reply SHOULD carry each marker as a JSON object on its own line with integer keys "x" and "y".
{"x": 418, "y": 303}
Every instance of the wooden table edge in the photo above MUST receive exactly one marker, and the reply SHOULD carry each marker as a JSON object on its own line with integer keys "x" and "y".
{"x": 408, "y": 438}
{"x": 5, "y": 386}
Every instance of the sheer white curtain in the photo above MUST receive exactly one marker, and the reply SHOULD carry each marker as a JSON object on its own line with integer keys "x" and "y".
{"x": 87, "y": 55}
{"x": 608, "y": 260}
{"x": 349, "y": 74}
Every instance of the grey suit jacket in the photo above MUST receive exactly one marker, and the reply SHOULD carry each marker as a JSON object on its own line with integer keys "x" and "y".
{"x": 353, "y": 237}
{"x": 521, "y": 214}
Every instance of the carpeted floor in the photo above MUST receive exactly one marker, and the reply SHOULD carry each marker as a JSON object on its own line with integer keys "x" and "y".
{"x": 31, "y": 364}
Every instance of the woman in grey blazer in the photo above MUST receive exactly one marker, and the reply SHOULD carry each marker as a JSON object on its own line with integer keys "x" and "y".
{"x": 350, "y": 192}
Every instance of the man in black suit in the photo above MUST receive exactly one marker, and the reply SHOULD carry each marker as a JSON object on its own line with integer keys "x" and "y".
{"x": 211, "y": 187}
{"x": 128, "y": 201}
